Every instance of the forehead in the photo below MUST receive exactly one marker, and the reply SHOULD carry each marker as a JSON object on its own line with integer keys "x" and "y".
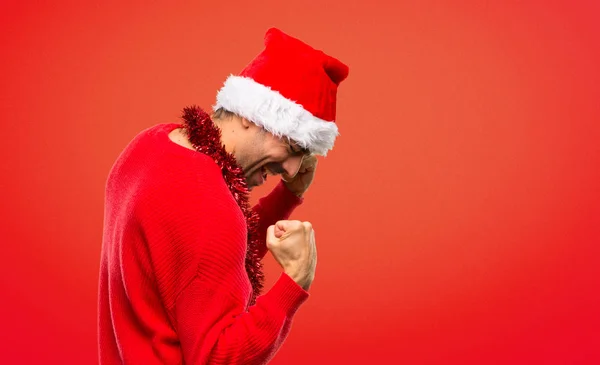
{"x": 292, "y": 143}
{"x": 286, "y": 140}
{"x": 298, "y": 147}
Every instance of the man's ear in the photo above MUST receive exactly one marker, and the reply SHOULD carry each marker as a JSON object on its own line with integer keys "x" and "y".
{"x": 246, "y": 123}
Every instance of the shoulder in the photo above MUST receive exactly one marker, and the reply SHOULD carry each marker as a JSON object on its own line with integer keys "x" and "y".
{"x": 178, "y": 192}
{"x": 189, "y": 205}
{"x": 188, "y": 185}
{"x": 167, "y": 172}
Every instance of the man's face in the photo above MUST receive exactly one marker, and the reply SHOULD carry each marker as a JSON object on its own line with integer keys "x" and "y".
{"x": 260, "y": 153}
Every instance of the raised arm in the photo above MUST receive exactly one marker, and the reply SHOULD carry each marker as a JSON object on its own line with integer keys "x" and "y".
{"x": 208, "y": 309}
{"x": 210, "y": 314}
{"x": 277, "y": 205}
{"x": 214, "y": 328}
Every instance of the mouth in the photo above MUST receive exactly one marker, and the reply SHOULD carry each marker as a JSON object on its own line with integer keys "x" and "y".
{"x": 263, "y": 175}
{"x": 258, "y": 178}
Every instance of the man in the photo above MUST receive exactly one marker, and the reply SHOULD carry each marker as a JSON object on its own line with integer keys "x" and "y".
{"x": 180, "y": 276}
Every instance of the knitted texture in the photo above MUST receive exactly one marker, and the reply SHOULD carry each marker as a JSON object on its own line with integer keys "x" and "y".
{"x": 173, "y": 286}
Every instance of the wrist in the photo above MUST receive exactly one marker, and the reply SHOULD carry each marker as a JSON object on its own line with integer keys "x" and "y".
{"x": 302, "y": 279}
{"x": 296, "y": 193}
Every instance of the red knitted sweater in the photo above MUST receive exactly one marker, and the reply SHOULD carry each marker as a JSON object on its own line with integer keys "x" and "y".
{"x": 173, "y": 287}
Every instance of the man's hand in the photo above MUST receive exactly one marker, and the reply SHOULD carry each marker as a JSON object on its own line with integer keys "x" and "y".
{"x": 305, "y": 176}
{"x": 292, "y": 243}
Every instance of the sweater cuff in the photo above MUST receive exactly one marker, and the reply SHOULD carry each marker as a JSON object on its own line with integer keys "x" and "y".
{"x": 286, "y": 196}
{"x": 286, "y": 295}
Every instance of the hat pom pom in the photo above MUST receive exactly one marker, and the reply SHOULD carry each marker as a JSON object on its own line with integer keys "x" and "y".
{"x": 335, "y": 69}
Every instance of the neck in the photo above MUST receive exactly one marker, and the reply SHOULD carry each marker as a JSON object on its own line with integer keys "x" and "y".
{"x": 180, "y": 137}
{"x": 227, "y": 134}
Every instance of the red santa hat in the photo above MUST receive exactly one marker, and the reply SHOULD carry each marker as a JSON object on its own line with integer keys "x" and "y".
{"x": 289, "y": 89}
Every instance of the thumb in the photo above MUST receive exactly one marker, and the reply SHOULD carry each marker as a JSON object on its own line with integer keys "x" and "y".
{"x": 270, "y": 232}
{"x": 282, "y": 225}
{"x": 279, "y": 229}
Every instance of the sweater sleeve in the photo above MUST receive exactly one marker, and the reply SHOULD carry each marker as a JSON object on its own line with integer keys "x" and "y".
{"x": 211, "y": 318}
{"x": 214, "y": 328}
{"x": 206, "y": 231}
{"x": 277, "y": 205}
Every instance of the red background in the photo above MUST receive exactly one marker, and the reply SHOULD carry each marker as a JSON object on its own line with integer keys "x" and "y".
{"x": 458, "y": 218}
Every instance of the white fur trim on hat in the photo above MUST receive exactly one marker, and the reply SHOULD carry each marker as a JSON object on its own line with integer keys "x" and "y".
{"x": 275, "y": 113}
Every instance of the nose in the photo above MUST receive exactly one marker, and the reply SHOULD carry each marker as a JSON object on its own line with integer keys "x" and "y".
{"x": 292, "y": 165}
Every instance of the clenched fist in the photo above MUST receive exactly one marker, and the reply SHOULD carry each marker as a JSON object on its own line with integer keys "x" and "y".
{"x": 292, "y": 243}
